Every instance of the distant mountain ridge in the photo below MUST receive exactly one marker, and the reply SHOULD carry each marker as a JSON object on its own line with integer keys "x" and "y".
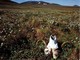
{"x": 7, "y": 2}
{"x": 76, "y": 6}
{"x": 35, "y": 2}
{"x": 39, "y": 2}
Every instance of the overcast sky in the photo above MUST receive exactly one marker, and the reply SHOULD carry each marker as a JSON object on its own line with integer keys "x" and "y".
{"x": 62, "y": 2}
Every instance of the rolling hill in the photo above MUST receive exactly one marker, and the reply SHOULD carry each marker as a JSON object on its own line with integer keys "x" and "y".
{"x": 35, "y": 2}
{"x": 7, "y": 2}
{"x": 32, "y": 4}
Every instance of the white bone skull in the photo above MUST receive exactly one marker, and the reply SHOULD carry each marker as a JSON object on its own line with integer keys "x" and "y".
{"x": 52, "y": 47}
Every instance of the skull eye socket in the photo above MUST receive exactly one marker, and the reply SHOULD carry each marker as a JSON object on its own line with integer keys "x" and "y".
{"x": 47, "y": 51}
{"x": 56, "y": 55}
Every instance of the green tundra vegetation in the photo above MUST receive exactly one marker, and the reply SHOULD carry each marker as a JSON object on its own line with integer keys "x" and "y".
{"x": 25, "y": 28}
